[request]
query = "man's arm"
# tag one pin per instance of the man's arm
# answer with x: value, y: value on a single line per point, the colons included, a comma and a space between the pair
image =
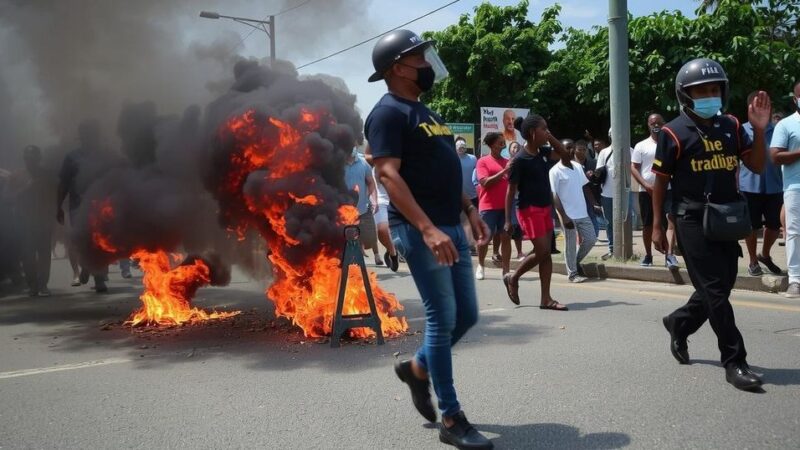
x: 659, y: 192
x: 490, y: 181
x: 388, y: 170
x: 755, y: 158
x: 782, y: 156
x: 636, y: 171
x: 510, y: 193
x: 372, y: 190
x: 565, y: 220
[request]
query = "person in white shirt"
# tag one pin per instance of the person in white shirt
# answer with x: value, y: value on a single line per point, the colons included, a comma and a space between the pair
x: 644, y: 153
x: 605, y: 159
x: 570, y: 190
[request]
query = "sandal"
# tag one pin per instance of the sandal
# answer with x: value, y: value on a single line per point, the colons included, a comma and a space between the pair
x: 555, y: 306
x: 511, y: 289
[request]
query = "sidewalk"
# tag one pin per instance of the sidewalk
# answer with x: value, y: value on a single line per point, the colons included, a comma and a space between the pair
x: 595, y: 267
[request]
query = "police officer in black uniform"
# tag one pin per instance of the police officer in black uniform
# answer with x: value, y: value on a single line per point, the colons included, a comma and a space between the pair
x: 416, y: 160
x: 698, y: 144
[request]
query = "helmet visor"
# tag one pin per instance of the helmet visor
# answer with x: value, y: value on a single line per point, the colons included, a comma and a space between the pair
x: 439, y: 69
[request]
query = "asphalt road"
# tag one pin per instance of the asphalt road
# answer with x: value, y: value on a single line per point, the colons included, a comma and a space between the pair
x: 598, y: 376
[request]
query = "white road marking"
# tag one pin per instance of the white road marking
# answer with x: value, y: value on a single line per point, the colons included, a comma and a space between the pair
x: 80, y: 365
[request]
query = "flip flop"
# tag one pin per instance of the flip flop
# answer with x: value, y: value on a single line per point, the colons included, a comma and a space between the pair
x: 511, y: 289
x: 555, y: 306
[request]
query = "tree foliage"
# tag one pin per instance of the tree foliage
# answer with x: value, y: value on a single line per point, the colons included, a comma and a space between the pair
x: 499, y: 58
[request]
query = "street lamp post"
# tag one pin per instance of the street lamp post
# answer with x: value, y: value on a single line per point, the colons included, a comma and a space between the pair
x: 267, y: 26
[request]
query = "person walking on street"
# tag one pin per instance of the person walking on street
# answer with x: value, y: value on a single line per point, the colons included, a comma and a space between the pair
x: 642, y: 158
x: 698, y: 152
x: 785, y: 152
x: 528, y: 175
x: 78, y: 171
x: 570, y: 190
x: 492, y: 171
x: 764, y: 193
x: 605, y: 160
x: 358, y: 177
x: 381, y: 214
x: 416, y: 160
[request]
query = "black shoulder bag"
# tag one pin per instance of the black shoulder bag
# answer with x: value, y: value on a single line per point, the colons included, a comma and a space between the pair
x: 601, y: 173
x: 725, y: 221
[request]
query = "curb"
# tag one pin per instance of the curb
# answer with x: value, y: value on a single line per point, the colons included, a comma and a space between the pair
x: 764, y: 283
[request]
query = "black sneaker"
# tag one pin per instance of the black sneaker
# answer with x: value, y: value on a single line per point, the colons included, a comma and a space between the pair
x: 393, y: 262
x: 83, y: 278
x: 463, y: 435
x: 754, y: 270
x: 420, y: 390
x: 767, y: 261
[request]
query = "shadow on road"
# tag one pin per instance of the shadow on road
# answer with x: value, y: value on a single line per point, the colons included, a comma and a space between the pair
x: 777, y: 377
x: 598, y: 304
x: 552, y: 436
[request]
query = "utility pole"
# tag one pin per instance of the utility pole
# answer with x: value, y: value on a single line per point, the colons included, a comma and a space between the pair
x: 620, y: 124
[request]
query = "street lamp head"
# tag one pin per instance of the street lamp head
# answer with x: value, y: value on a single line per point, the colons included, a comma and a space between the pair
x: 209, y: 15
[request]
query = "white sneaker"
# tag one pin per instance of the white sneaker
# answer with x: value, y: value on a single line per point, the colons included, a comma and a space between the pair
x: 578, y: 279
x: 479, y: 273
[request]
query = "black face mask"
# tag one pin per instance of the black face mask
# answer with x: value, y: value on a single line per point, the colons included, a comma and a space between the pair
x: 425, y: 77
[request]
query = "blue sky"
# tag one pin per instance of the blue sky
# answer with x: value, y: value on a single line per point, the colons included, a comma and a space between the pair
x: 355, y: 65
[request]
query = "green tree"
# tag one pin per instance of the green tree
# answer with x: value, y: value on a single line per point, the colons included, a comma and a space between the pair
x: 757, y: 44
x: 499, y: 58
x: 494, y: 58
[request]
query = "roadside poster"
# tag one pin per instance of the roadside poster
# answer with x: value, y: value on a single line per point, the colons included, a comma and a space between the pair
x: 465, y: 130
x: 501, y: 120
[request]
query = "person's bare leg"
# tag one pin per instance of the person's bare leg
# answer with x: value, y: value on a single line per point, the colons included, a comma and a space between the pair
x: 496, y: 242
x: 752, y: 240
x: 770, y: 236
x: 672, y: 240
x: 647, y: 239
x: 518, y: 244
x: 482, y: 251
x: 545, y: 274
x: 541, y: 249
x: 505, y: 252
x: 386, y: 239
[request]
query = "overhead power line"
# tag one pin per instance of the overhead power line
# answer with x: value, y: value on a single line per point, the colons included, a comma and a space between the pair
x: 379, y: 35
x: 284, y: 11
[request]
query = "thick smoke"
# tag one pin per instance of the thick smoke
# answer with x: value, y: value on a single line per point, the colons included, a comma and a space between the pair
x: 64, y: 61
x: 270, y: 93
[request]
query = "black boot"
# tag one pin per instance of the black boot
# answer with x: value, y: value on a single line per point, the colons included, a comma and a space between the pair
x: 463, y: 435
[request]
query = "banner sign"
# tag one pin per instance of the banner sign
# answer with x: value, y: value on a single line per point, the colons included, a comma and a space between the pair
x: 501, y: 120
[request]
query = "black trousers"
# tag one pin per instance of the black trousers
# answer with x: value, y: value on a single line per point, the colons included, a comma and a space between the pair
x: 36, y: 250
x: 712, y: 267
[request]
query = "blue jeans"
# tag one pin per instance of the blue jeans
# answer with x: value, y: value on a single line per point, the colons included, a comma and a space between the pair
x: 608, y: 212
x: 451, y: 305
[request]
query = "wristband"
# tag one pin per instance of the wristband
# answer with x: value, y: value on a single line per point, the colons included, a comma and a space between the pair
x: 469, y: 208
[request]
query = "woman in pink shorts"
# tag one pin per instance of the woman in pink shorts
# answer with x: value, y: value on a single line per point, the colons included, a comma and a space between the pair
x: 530, y: 183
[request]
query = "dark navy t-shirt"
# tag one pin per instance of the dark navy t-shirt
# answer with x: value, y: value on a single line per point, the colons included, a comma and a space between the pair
x: 689, y: 153
x: 531, y: 174
x: 399, y: 128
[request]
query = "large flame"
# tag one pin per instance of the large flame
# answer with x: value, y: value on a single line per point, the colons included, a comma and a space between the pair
x: 306, y: 293
x: 168, y: 291
x: 166, y: 299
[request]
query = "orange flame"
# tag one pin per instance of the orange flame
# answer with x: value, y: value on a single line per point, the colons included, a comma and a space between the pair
x: 101, y: 214
x: 304, y: 293
x: 168, y: 291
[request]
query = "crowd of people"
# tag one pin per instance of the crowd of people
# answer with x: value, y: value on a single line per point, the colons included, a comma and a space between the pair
x: 34, y: 223
x: 706, y: 183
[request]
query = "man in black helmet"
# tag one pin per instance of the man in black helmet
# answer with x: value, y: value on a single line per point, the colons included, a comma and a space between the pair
x: 416, y: 161
x: 699, y: 152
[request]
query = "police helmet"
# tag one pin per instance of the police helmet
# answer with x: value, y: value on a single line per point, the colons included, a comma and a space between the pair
x: 394, y: 45
x: 699, y: 71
